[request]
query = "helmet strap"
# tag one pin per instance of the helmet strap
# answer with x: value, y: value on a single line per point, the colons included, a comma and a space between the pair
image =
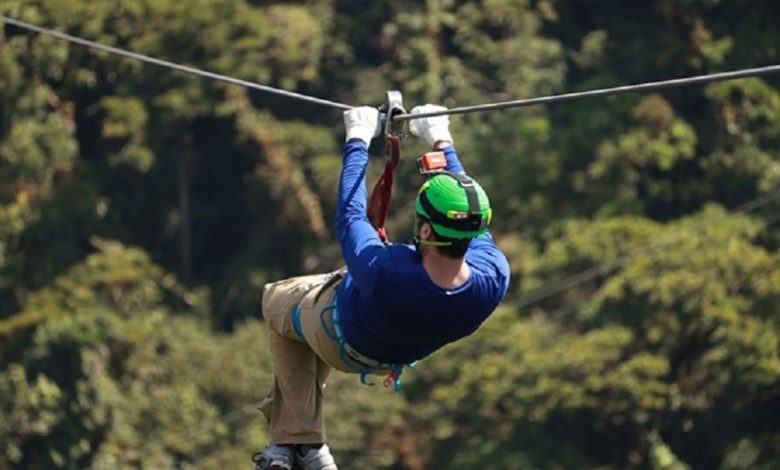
x: 475, y: 214
x: 420, y: 241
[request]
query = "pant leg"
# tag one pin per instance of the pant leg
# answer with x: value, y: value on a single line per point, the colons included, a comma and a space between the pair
x: 294, y: 405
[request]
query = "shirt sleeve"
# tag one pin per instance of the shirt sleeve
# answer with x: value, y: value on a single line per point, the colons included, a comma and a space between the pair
x: 361, y: 246
x: 453, y: 162
x: 483, y: 251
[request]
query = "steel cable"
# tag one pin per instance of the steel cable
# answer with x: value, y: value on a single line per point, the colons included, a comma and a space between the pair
x: 641, y: 87
x: 524, y: 300
x: 172, y: 65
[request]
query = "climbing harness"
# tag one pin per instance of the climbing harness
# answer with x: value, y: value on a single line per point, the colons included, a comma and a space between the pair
x: 347, y: 353
x: 296, y: 322
x: 350, y: 356
x: 379, y: 202
x: 330, y: 281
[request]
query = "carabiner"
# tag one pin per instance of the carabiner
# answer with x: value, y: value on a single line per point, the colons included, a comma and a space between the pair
x: 394, y: 107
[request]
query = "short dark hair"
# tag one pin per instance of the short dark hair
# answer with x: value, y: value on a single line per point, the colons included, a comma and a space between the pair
x: 457, y: 247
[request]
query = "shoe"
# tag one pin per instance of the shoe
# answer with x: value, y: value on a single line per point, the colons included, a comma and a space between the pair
x: 316, y: 459
x: 274, y: 457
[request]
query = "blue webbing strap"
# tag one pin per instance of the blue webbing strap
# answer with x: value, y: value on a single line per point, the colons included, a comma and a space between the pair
x: 296, y: 321
x: 395, y: 369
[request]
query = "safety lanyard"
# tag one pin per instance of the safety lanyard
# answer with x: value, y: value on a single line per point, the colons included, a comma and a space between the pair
x: 379, y: 202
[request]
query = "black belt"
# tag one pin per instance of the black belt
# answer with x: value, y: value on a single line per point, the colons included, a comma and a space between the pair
x: 334, y: 279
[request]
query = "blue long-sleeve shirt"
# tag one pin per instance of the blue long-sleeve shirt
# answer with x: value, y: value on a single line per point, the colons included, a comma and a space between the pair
x: 389, y: 308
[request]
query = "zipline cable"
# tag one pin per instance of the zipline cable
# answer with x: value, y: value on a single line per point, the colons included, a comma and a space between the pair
x: 641, y: 87
x: 525, y: 300
x: 533, y: 297
x: 172, y: 65
x: 549, y: 99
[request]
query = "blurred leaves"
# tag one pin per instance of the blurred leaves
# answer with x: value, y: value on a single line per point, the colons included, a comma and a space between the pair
x: 142, y: 210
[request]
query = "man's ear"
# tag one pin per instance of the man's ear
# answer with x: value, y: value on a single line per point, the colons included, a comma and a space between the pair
x: 426, y: 232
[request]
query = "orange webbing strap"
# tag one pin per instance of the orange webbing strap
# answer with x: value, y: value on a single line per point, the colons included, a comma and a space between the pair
x: 379, y: 203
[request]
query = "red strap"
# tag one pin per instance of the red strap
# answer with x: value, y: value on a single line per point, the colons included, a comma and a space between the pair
x: 379, y: 203
x: 391, y: 378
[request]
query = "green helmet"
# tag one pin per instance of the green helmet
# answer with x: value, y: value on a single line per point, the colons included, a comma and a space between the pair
x: 456, y: 206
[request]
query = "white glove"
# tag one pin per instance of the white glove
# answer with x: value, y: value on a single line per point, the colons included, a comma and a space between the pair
x: 434, y: 128
x: 362, y: 123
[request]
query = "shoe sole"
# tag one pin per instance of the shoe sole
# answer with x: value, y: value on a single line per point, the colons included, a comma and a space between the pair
x: 281, y: 467
x: 277, y: 466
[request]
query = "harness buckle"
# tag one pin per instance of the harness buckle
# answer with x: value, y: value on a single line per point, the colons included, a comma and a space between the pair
x: 391, y: 378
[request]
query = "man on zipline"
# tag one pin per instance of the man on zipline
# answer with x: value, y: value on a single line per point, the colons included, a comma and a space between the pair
x: 394, y: 304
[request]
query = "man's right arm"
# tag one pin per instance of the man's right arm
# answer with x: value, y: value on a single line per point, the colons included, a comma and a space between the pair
x: 453, y: 162
x: 360, y: 244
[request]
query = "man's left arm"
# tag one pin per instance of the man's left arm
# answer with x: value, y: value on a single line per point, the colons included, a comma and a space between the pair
x: 360, y: 244
x: 486, y: 253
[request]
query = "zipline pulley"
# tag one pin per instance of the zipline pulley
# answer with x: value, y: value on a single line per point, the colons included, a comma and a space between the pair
x: 379, y: 203
x: 393, y: 107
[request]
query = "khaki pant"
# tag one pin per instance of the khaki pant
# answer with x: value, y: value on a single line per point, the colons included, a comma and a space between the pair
x: 293, y: 407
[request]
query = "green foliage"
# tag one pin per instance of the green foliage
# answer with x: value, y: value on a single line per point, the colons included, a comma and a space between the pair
x: 120, y: 377
x: 641, y: 159
x: 29, y: 411
x: 697, y: 298
x: 748, y: 114
x: 142, y: 210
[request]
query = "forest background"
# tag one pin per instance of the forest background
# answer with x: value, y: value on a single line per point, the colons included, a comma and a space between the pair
x: 142, y: 210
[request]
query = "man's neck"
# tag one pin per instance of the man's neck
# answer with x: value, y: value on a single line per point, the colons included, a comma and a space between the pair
x: 445, y: 272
